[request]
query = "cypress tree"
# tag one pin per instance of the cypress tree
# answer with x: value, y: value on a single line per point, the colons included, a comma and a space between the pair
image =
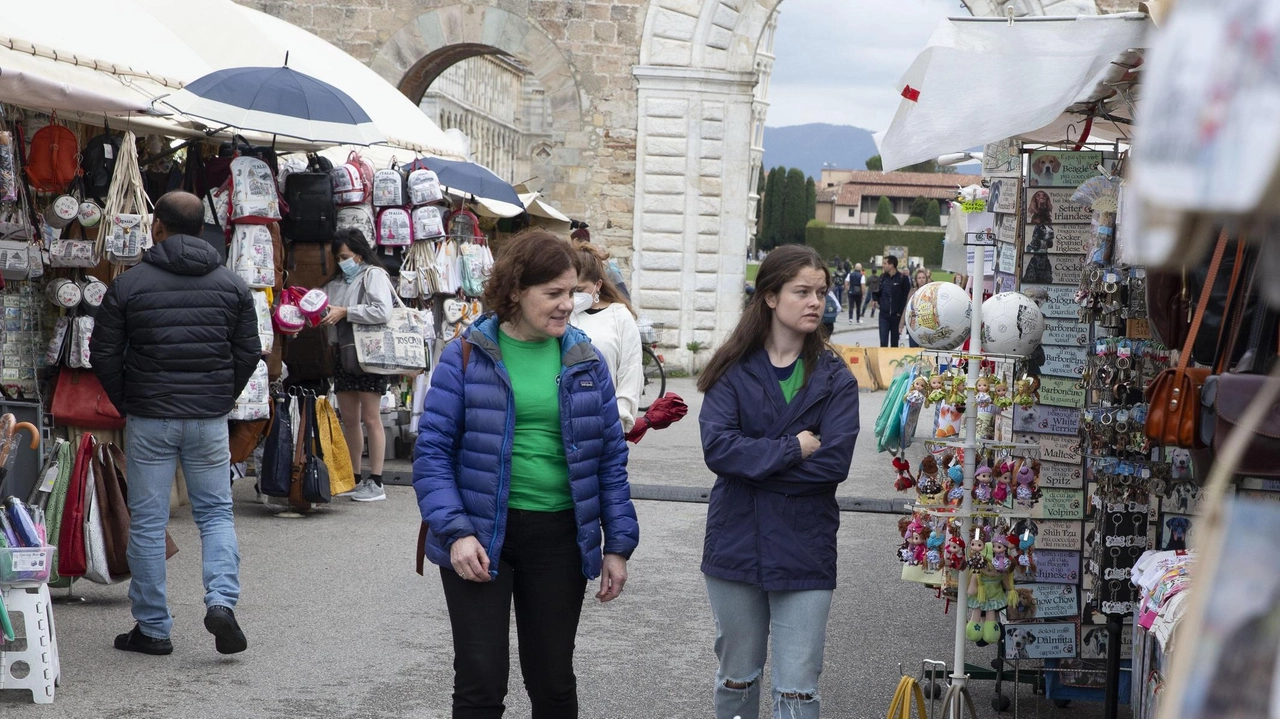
x: 811, y: 197
x: 933, y: 216
x: 795, y: 210
x: 884, y: 213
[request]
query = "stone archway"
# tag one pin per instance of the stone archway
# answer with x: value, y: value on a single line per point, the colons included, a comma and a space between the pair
x: 428, y: 44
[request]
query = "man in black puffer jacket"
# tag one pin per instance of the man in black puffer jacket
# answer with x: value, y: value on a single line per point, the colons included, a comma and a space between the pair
x: 174, y: 343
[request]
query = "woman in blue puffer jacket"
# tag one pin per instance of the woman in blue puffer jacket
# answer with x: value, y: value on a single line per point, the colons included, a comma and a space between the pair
x: 779, y: 421
x: 520, y: 468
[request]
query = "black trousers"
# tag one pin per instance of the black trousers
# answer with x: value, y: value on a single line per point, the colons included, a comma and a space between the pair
x: 541, y: 569
x: 889, y: 329
x: 855, y: 303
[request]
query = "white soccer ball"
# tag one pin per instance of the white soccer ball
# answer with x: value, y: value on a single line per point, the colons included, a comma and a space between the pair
x: 938, y: 316
x: 1012, y: 324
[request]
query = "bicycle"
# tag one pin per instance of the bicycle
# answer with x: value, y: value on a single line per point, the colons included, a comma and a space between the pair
x: 655, y: 377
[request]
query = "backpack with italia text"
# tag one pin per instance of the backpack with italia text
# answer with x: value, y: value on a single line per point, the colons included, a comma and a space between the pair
x: 253, y: 197
x: 389, y: 188
x: 357, y: 217
x: 424, y: 187
x: 395, y: 227
x: 252, y: 256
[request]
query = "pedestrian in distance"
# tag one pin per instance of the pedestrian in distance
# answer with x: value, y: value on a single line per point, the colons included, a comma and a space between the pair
x: 873, y: 292
x: 511, y: 516
x: 779, y: 422
x: 892, y: 300
x: 174, y: 343
x: 855, y: 284
x: 830, y: 313
x: 921, y: 276
x: 600, y: 310
x: 360, y: 292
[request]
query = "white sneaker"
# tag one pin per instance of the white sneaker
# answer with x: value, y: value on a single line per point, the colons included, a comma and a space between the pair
x: 368, y: 491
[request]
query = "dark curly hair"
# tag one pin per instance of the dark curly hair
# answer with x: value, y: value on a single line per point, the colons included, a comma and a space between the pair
x: 532, y: 257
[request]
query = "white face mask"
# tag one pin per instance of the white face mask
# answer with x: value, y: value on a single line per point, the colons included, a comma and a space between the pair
x: 582, y: 301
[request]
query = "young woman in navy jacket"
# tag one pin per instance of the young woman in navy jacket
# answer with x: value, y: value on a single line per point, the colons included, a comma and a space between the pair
x: 779, y: 422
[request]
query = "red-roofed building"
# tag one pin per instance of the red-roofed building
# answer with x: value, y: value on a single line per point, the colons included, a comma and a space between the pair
x: 852, y: 197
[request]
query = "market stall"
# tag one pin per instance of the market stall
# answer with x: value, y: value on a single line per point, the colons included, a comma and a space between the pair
x: 1102, y: 422
x: 89, y: 140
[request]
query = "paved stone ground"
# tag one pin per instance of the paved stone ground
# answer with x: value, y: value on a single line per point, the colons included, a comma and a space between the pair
x: 341, y: 627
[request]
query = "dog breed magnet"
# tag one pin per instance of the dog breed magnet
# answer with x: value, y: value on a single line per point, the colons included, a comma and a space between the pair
x: 1062, y: 169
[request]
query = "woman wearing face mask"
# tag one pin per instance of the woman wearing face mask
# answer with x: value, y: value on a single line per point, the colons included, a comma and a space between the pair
x: 601, y: 311
x: 521, y: 475
x: 359, y: 293
x: 779, y: 421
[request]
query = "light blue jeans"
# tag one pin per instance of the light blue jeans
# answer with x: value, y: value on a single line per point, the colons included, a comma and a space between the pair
x: 154, y: 447
x: 746, y: 617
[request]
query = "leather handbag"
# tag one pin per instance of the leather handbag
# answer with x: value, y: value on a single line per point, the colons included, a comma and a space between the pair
x: 80, y: 401
x: 245, y: 438
x: 1229, y: 395
x: 1173, y: 398
x: 95, y: 544
x: 315, y: 475
x: 113, y: 508
x: 71, y: 546
x: 277, y: 454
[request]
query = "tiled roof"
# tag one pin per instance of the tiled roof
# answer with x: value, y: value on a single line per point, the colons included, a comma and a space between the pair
x: 851, y: 194
x: 931, y: 185
x: 828, y: 194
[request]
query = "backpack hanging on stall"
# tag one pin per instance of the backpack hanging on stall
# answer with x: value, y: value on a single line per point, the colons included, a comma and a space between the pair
x: 253, y: 198
x: 395, y: 228
x: 424, y: 187
x: 54, y: 158
x: 389, y: 187
x: 312, y: 213
x: 252, y: 256
x: 347, y: 187
x: 98, y: 162
x: 427, y: 224
x: 357, y: 217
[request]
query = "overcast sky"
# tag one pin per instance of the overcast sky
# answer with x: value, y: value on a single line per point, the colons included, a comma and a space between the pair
x: 838, y: 60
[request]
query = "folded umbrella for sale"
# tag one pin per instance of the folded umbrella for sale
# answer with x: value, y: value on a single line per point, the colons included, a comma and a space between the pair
x: 664, y: 412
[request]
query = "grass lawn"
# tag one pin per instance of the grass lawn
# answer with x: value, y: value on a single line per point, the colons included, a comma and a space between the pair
x: 752, y: 269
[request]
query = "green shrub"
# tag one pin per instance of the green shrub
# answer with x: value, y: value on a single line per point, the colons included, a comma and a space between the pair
x: 815, y: 223
x: 884, y: 213
x: 860, y: 244
x: 933, y: 216
x: 914, y: 222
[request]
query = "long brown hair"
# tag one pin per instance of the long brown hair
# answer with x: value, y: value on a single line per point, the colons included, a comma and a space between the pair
x: 780, y: 267
x: 589, y: 261
x: 532, y: 257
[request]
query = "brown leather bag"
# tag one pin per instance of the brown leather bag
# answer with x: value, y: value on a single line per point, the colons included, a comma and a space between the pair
x: 246, y: 436
x: 113, y: 491
x: 1174, y: 397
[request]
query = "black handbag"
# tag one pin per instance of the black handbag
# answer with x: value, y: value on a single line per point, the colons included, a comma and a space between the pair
x: 276, y: 472
x: 315, y: 474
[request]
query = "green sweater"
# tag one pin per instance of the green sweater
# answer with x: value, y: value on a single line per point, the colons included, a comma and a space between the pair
x: 539, y: 470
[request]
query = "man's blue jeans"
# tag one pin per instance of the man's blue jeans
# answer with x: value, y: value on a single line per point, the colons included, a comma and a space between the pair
x: 746, y: 619
x: 154, y: 448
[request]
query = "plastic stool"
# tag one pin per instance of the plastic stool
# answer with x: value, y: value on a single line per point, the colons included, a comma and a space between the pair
x: 37, y: 659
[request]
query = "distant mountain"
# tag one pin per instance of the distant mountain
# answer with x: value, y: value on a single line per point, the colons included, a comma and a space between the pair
x: 808, y: 146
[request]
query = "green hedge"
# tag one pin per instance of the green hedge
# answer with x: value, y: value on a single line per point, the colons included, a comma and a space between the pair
x: 861, y: 243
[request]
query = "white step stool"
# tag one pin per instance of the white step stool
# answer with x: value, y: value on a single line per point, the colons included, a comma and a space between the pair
x: 33, y: 662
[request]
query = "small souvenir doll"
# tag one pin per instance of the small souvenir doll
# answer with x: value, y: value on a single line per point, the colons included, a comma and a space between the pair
x: 990, y: 591
x: 903, y: 481
x: 933, y: 553
x: 1024, y: 393
x: 957, y: 396
x: 928, y: 483
x: 982, y: 491
x: 937, y: 383
x: 1004, y: 475
x: 955, y: 485
x: 1025, y: 531
x: 1028, y: 490
x: 1000, y: 395
x: 916, y: 539
x: 982, y: 394
x: 953, y: 553
x: 916, y: 396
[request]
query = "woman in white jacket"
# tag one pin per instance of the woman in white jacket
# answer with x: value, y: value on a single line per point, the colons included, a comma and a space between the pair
x: 601, y: 311
x: 359, y: 293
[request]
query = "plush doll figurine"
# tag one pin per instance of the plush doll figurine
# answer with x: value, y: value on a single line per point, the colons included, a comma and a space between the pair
x: 915, y: 542
x: 916, y: 396
x: 1004, y: 475
x: 1001, y: 400
x: 928, y: 484
x: 954, y: 553
x: 982, y: 490
x: 903, y: 481
x: 955, y: 485
x: 1028, y: 477
x: 990, y: 590
x: 933, y: 554
x: 1025, y: 532
x: 984, y: 403
x: 936, y: 392
x: 1024, y: 394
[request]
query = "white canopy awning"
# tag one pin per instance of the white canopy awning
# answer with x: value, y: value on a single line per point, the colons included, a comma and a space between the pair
x: 981, y: 80
x: 120, y: 55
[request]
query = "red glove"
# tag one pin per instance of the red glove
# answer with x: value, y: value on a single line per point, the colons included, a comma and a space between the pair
x: 664, y: 412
